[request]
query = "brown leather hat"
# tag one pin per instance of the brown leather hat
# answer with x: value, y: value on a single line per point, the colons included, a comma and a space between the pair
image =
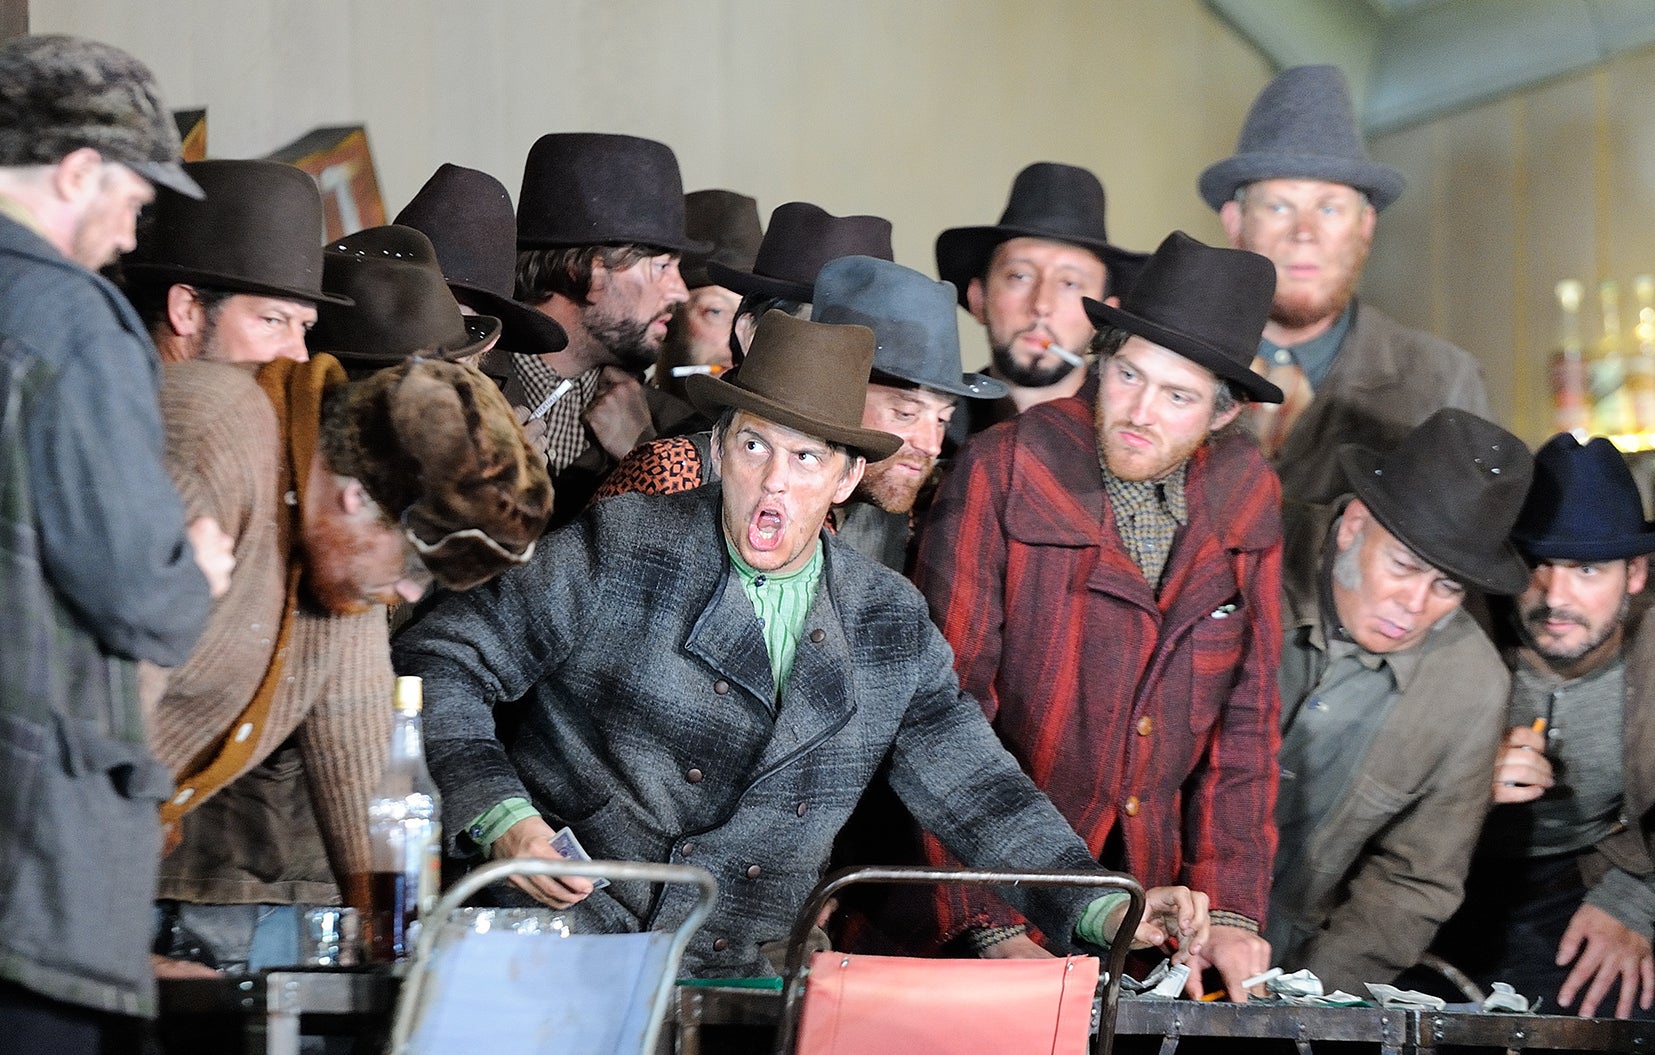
x: 811, y: 377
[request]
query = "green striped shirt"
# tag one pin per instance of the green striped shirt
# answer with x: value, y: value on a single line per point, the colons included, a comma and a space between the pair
x: 781, y: 603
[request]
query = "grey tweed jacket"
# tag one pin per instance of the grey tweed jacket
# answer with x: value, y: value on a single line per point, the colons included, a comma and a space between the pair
x: 628, y: 677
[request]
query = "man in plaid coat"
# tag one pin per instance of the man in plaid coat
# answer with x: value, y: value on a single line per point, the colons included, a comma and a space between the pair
x: 1107, y: 568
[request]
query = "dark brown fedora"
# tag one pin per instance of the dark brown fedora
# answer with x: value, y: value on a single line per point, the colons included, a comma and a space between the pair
x: 811, y: 377
x: 1451, y: 491
x: 1057, y: 202
x: 468, y: 216
x: 1209, y: 305
x: 403, y: 307
x: 258, y: 230
x: 598, y: 188
x: 800, y: 239
x: 727, y: 220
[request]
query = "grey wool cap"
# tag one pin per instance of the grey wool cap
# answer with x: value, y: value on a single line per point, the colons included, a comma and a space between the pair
x: 61, y: 93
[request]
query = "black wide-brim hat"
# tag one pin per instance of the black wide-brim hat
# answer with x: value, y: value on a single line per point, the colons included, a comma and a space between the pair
x: 598, y: 188
x: 914, y: 322
x: 468, y: 217
x: 811, y: 377
x: 1050, y: 201
x: 800, y: 239
x: 1207, y: 304
x: 1583, y: 505
x: 1451, y: 491
x: 258, y: 230
x: 1302, y: 126
x: 402, y: 305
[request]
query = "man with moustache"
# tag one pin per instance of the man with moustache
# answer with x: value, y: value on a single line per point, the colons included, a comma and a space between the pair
x: 1127, y: 520
x: 235, y: 277
x: 701, y: 327
x: 1024, y: 279
x: 914, y: 387
x: 98, y: 572
x: 1301, y: 190
x: 348, y: 497
x: 721, y: 693
x: 600, y: 229
x: 1561, y: 898
x: 1392, y: 696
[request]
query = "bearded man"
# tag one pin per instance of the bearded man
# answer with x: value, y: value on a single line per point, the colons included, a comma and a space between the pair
x: 1302, y: 191
x: 1561, y: 898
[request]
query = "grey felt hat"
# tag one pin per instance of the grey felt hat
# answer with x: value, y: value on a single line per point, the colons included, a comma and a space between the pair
x: 1302, y: 126
x: 913, y: 319
x: 61, y: 93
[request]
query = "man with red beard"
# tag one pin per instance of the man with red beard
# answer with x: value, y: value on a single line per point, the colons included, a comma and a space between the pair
x: 1107, y: 568
x: 1302, y: 191
x: 722, y: 692
x: 1561, y: 898
x: 344, y: 498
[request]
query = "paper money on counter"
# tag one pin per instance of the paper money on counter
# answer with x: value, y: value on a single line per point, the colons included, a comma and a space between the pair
x: 1391, y: 996
x: 1505, y: 998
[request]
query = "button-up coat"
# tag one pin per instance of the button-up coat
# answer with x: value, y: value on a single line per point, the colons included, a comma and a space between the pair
x: 628, y: 675
x: 1151, y: 715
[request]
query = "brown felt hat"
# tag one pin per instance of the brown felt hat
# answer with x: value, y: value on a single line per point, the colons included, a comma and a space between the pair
x: 811, y: 377
x: 438, y: 449
x: 730, y: 222
x: 800, y: 239
x: 258, y: 231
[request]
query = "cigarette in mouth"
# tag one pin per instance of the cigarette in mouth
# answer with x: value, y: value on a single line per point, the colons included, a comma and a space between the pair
x: 1064, y: 354
x: 703, y: 368
x: 547, y: 403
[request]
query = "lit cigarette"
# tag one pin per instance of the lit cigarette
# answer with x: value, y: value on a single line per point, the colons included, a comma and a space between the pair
x: 547, y: 403
x: 1064, y: 354
x: 703, y: 368
x: 1539, y: 726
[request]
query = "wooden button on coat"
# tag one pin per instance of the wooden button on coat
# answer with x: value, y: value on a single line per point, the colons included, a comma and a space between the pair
x: 1131, y: 807
x: 818, y: 636
x: 721, y: 687
x: 693, y: 776
x: 800, y: 808
x: 754, y: 871
x: 720, y: 944
x: 1146, y: 725
x: 689, y: 848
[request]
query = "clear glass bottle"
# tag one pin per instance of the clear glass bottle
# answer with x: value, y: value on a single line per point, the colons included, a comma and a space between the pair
x: 405, y: 838
x: 1611, y: 402
x: 1571, y: 412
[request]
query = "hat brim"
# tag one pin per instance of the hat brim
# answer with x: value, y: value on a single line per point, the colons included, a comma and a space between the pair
x: 525, y: 331
x: 191, y: 276
x: 1623, y: 547
x: 963, y: 253
x: 168, y: 174
x: 1381, y: 183
x: 750, y: 285
x: 481, y: 331
x: 970, y: 386
x: 711, y: 395
x: 1498, y: 569
x: 1190, y: 347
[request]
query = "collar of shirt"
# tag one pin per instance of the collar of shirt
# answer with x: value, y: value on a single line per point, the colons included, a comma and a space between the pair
x: 1315, y: 356
x: 751, y: 576
x: 13, y: 209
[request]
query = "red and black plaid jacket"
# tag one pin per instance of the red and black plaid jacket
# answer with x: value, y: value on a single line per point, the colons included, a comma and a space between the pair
x: 1154, y: 715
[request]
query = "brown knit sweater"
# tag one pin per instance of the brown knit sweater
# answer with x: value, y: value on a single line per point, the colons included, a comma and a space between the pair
x: 225, y: 453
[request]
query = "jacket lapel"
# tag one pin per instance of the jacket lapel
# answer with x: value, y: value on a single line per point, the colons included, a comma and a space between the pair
x: 726, y: 636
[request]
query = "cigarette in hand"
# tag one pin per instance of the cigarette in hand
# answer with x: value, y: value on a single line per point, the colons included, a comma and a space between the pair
x: 547, y: 403
x: 714, y: 369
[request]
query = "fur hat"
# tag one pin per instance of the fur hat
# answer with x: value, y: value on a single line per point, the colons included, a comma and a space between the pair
x: 60, y: 93
x: 437, y: 448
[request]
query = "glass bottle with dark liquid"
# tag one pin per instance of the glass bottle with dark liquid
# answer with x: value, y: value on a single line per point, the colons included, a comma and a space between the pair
x: 405, y: 838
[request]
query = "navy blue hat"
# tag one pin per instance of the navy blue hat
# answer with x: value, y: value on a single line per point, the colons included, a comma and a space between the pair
x: 913, y: 319
x: 1583, y: 505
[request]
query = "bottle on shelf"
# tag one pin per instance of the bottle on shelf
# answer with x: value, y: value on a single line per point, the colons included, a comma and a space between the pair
x: 405, y: 838
x: 1611, y: 403
x: 1640, y: 367
x: 1570, y: 411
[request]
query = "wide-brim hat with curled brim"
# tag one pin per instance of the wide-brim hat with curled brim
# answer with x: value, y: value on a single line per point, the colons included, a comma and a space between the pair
x: 1584, y: 505
x: 258, y: 231
x: 1207, y: 304
x: 1302, y: 126
x: 811, y: 377
x: 468, y: 217
x: 402, y: 305
x: 438, y: 448
x: 1049, y: 201
x: 1451, y: 492
x: 800, y: 239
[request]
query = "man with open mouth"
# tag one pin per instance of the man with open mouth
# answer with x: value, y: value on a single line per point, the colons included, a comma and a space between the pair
x: 710, y: 678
